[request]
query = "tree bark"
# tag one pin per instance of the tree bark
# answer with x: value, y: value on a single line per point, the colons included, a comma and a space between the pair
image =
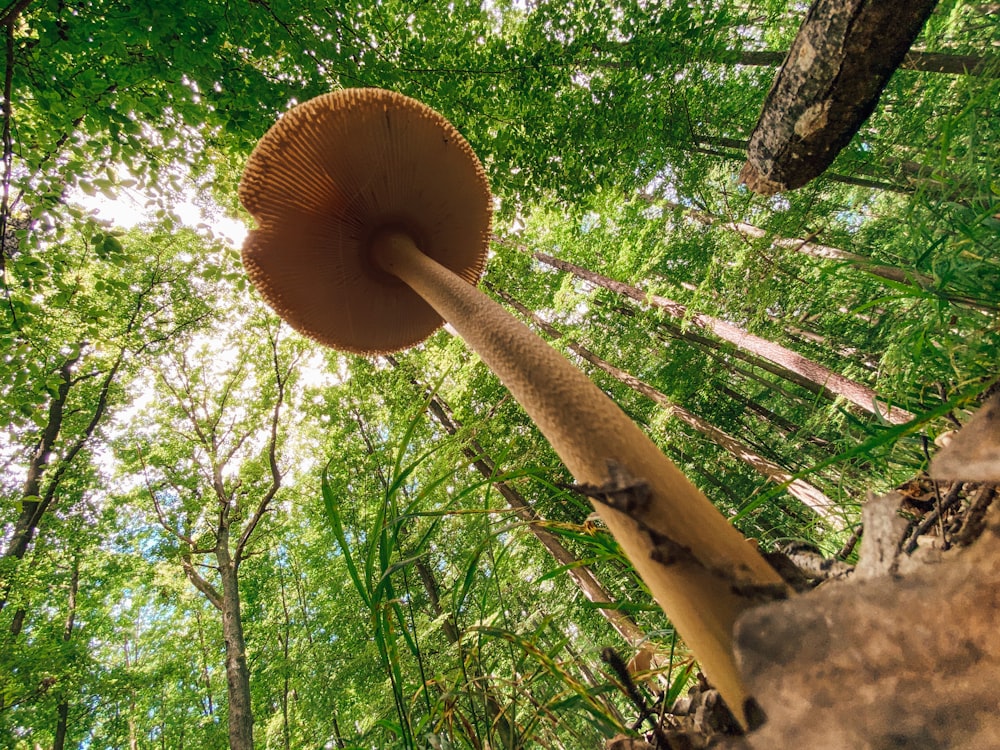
x: 285, y: 639
x: 237, y: 671
x: 837, y: 67
x: 802, y: 491
x: 62, y: 710
x: 720, y: 351
x: 858, y: 394
x: 31, y: 500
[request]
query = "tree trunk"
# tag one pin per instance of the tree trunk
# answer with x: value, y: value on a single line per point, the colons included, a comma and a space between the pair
x: 31, y: 501
x: 62, y: 723
x: 843, y: 179
x: 237, y: 671
x: 831, y: 82
x: 708, y: 477
x: 946, y: 63
x: 826, y: 252
x: 860, y: 395
x: 17, y: 621
x: 62, y: 710
x: 776, y: 421
x: 805, y: 246
x: 133, y: 732
x: 338, y: 737
x: 917, y: 176
x: 497, y: 716
x: 802, y: 491
x: 720, y: 352
x: 285, y: 638
x: 34, y: 501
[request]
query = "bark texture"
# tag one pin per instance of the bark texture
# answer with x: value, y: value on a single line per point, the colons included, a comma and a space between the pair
x: 830, y: 83
x: 922, y: 664
x: 237, y: 671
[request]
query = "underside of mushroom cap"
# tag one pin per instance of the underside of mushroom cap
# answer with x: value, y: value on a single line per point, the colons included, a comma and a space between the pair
x: 329, y: 176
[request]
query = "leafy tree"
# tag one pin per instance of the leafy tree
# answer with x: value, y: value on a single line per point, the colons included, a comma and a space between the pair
x: 212, y: 467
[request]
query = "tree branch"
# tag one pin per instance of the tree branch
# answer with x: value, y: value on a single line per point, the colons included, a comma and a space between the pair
x: 9, y: 14
x: 210, y: 592
x: 161, y: 517
x: 272, y: 453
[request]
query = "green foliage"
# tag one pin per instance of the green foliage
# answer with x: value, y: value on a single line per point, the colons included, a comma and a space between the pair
x: 388, y: 594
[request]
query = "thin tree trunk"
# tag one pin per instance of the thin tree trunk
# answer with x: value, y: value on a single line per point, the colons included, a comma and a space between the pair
x: 300, y: 596
x: 35, y: 500
x: 847, y: 353
x: 62, y: 710
x: 832, y: 176
x: 286, y: 665
x: 237, y: 671
x: 338, y: 737
x: 802, y: 491
x: 707, y: 476
x: 205, y: 674
x: 719, y: 351
x: 31, y: 500
x: 817, y: 250
x: 857, y: 393
x: 927, y: 62
x: 776, y: 421
x: 497, y: 715
x: 918, y: 176
x: 38, y: 554
x: 946, y: 63
x: 133, y: 733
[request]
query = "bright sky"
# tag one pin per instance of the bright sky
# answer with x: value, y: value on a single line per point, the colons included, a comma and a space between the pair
x: 132, y: 208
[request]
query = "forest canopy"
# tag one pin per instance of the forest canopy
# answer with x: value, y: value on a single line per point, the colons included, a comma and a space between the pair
x: 216, y: 532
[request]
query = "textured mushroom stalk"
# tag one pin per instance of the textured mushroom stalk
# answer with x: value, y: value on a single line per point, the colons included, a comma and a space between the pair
x: 709, y: 560
x: 356, y: 187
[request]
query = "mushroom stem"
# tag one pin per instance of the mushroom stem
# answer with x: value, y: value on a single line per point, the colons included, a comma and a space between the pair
x: 697, y: 566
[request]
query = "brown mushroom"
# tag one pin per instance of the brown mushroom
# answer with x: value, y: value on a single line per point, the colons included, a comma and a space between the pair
x: 374, y: 220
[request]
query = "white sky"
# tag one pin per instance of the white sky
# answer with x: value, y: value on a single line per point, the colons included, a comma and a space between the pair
x: 132, y: 207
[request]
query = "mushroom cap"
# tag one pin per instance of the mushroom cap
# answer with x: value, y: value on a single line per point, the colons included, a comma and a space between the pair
x: 330, y: 175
